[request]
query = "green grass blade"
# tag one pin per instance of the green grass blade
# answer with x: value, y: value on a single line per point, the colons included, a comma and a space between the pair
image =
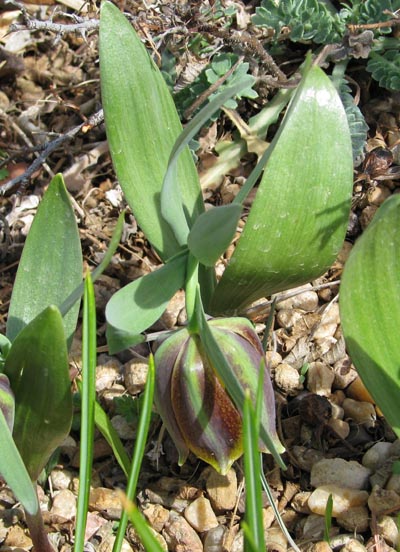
x: 13, y: 470
x: 51, y: 263
x: 252, y: 472
x: 370, y: 308
x: 149, y: 541
x: 142, y: 125
x: 298, y: 220
x: 88, y: 395
x: 141, y: 438
x: 328, y: 519
x: 98, y: 271
x: 106, y: 428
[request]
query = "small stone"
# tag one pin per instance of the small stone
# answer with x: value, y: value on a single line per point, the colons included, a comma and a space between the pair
x: 157, y: 516
x: 306, y: 457
x: 343, y: 499
x: 355, y: 519
x: 329, y: 322
x: 64, y: 504
x: 314, y: 527
x: 288, y: 379
x: 320, y: 378
x: 353, y: 545
x: 387, y: 528
x: 340, y: 427
x: 275, y: 540
x: 306, y: 301
x: 222, y: 490
x: 200, y: 515
x: 300, y: 502
x: 380, y: 501
x: 376, y: 455
x: 16, y: 537
x: 107, y: 373
x: 135, y: 375
x: 361, y: 412
x: 123, y: 428
x: 215, y: 539
x: 394, y: 483
x: 344, y: 372
x: 61, y: 479
x: 320, y: 546
x: 287, y: 318
x: 180, y: 536
x: 273, y: 358
x: 343, y: 473
x: 106, y: 500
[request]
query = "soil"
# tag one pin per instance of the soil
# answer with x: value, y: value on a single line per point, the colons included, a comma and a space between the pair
x: 49, y: 88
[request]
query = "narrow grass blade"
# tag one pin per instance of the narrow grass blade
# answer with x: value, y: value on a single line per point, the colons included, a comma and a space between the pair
x: 51, y: 263
x: 298, y: 220
x: 252, y: 472
x: 98, y: 271
x: 141, y: 438
x: 87, y: 410
x: 328, y: 519
x: 149, y: 541
x: 370, y: 308
x: 106, y: 428
x: 13, y: 470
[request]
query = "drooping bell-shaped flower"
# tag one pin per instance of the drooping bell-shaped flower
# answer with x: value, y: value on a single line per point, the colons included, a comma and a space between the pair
x: 7, y: 401
x: 193, y: 403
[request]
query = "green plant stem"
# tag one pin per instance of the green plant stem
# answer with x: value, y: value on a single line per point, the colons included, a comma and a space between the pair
x: 87, y: 417
x: 141, y: 438
x: 192, y: 282
x: 338, y: 73
x: 37, y: 531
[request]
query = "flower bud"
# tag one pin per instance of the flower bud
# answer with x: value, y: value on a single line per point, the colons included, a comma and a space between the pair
x: 7, y: 402
x: 194, y: 404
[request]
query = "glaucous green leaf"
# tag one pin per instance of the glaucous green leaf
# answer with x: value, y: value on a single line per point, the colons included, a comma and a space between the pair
x: 370, y: 308
x: 13, y: 471
x: 212, y: 233
x: 51, y: 263
x: 38, y: 370
x: 142, y: 126
x: 298, y: 220
x: 135, y: 307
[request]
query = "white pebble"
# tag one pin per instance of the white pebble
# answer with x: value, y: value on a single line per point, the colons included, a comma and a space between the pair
x: 336, y: 471
x: 200, y: 515
x: 320, y: 378
x: 288, y: 379
x: 376, y: 455
x: 343, y: 499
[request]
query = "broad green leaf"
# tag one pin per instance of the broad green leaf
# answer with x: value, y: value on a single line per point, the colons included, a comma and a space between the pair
x: 212, y: 233
x: 298, y: 220
x: 135, y: 307
x: 142, y: 126
x: 51, y: 263
x: 37, y: 367
x: 370, y: 308
x: 12, y: 469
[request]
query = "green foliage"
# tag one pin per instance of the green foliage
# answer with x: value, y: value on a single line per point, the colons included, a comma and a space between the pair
x: 319, y: 22
x: 218, y: 67
x: 385, y: 68
x: 307, y: 20
x: 51, y: 263
x: 370, y: 309
x: 357, y: 125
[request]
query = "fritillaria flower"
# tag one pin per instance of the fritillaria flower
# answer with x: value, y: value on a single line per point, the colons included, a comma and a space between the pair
x: 193, y: 403
x: 7, y: 402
